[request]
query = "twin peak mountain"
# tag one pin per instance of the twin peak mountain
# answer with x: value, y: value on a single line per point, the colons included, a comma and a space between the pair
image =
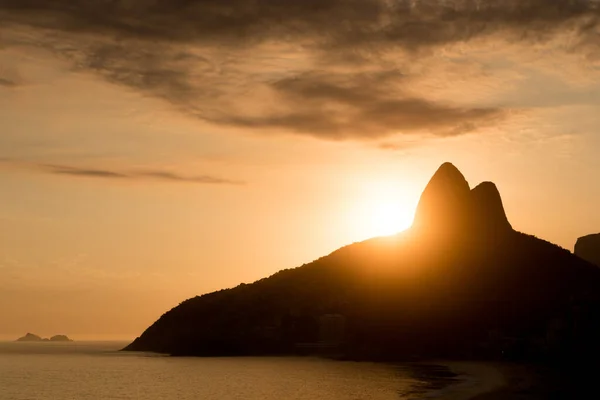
x: 449, y: 206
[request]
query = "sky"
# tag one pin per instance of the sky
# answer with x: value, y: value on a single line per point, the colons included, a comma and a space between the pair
x: 154, y: 150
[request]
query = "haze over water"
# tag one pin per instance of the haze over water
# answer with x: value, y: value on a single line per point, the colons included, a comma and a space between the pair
x: 96, y: 370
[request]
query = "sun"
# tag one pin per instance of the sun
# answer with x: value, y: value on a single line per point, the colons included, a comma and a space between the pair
x: 384, y: 210
x: 387, y: 219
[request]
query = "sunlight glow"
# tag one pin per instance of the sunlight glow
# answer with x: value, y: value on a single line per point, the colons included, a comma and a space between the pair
x: 383, y: 211
x: 387, y: 219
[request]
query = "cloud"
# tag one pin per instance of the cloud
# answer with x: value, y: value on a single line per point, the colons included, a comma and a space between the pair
x: 333, y: 69
x: 170, y: 176
x: 135, y: 175
x: 232, y: 22
x: 94, y: 173
x: 361, y: 106
x: 7, y: 82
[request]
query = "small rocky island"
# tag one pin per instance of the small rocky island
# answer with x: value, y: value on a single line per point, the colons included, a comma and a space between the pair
x: 30, y: 337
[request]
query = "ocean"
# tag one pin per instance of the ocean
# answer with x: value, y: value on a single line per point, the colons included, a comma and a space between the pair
x: 98, y: 371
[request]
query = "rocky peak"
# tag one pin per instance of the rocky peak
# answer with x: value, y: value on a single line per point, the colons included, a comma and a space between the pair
x: 488, y: 209
x: 449, y: 206
x: 443, y: 201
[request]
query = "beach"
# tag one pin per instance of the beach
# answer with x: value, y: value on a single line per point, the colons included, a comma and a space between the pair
x: 501, y: 381
x: 475, y: 380
x: 493, y: 381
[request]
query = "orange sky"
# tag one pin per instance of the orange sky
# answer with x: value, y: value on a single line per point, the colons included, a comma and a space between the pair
x: 139, y: 171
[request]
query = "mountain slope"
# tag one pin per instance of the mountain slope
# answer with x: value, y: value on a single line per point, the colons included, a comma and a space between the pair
x: 460, y: 281
x: 588, y: 248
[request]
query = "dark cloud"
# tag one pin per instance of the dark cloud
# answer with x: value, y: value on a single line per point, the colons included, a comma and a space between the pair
x: 7, y: 82
x: 225, y: 21
x: 377, y: 120
x: 361, y: 106
x: 195, y: 54
x: 408, y: 22
x: 435, y: 23
x: 135, y: 175
x: 95, y: 173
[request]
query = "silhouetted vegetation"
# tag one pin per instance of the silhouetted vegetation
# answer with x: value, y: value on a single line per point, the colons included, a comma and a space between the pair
x: 460, y: 283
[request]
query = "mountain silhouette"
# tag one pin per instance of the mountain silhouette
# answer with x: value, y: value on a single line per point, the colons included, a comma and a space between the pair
x: 459, y: 282
x: 448, y: 206
x: 588, y: 248
x: 445, y: 203
x: 31, y: 337
x: 60, y: 338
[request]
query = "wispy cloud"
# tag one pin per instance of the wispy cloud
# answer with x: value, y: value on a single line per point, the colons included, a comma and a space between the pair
x: 157, y: 175
x: 94, y: 173
x: 333, y: 69
x: 360, y: 106
x: 7, y: 82
x: 170, y: 176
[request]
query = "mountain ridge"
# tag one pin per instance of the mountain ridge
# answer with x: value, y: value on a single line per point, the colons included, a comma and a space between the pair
x: 441, y: 288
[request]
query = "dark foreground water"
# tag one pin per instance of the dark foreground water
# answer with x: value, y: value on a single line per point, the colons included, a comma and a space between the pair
x: 88, y: 370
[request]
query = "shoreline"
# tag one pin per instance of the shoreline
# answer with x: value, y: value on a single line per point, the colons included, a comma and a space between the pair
x: 493, y: 381
x: 479, y: 379
x: 452, y: 380
x: 475, y: 380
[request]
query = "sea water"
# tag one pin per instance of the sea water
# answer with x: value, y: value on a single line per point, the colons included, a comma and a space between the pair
x: 99, y: 371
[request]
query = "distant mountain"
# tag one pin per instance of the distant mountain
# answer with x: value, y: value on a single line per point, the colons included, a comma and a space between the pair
x: 588, y: 248
x: 60, y: 338
x: 461, y: 282
x: 30, y: 337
